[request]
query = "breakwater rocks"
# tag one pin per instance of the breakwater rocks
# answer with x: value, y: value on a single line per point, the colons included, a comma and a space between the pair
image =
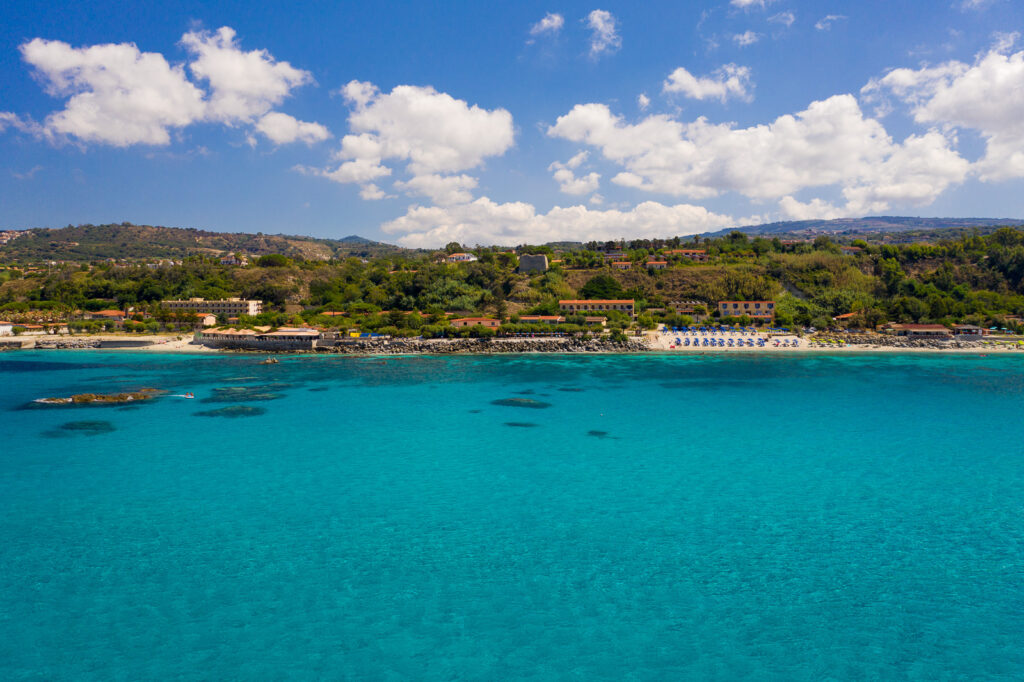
x: 64, y: 343
x: 444, y: 346
x: 883, y: 341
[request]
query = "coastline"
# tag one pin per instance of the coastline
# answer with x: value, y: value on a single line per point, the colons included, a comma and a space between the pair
x: 653, y: 343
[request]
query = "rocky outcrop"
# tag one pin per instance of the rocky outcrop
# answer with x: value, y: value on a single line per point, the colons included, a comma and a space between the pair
x: 887, y: 341
x: 67, y: 342
x: 446, y: 346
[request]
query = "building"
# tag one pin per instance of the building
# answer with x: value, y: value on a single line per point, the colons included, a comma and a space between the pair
x: 969, y: 330
x: 6, y: 328
x: 850, y: 250
x: 614, y: 255
x: 918, y: 331
x: 627, y: 306
x: 476, y: 321
x: 460, y: 258
x: 657, y: 264
x: 285, y: 338
x: 205, y: 320
x: 237, y: 261
x: 696, y: 255
x: 116, y: 316
x: 541, y: 319
x: 621, y: 265
x: 758, y: 310
x: 228, y: 307
x: 533, y: 263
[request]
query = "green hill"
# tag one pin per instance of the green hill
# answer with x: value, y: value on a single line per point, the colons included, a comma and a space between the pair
x: 99, y: 242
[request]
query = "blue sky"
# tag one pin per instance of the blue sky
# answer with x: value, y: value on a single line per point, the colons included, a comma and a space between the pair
x: 420, y: 124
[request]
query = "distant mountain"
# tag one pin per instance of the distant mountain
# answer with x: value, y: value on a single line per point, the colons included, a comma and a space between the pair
x: 98, y: 242
x: 867, y: 226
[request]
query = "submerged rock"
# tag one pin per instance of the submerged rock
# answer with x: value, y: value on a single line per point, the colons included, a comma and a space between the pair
x: 89, y: 428
x: 521, y: 402
x: 600, y: 434
x: 571, y: 390
x: 241, y: 394
x: 233, y: 412
x: 522, y: 425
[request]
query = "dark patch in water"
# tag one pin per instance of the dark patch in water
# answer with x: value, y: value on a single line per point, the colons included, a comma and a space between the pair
x: 240, y: 394
x: 88, y: 428
x: 319, y: 388
x: 127, y: 408
x: 233, y: 412
x: 600, y: 434
x: 571, y: 390
x: 475, y: 411
x: 521, y: 402
x: 528, y: 391
x: 43, y: 366
x: 522, y: 425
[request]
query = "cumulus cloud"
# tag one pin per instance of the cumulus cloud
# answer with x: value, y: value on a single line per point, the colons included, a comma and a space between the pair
x: 727, y: 81
x: 643, y: 101
x: 121, y: 96
x: 116, y: 94
x: 604, y: 33
x: 825, y: 23
x: 746, y: 38
x: 284, y: 129
x: 443, y: 190
x: 488, y: 222
x: 551, y: 23
x: 431, y: 132
x: 815, y: 209
x: 785, y: 18
x: 750, y: 3
x: 830, y: 143
x: 244, y: 85
x: 566, y: 178
x: 987, y: 97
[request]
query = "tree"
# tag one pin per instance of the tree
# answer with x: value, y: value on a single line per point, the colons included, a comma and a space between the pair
x: 601, y: 286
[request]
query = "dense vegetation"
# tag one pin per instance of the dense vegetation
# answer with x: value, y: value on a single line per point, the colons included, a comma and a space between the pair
x: 972, y: 278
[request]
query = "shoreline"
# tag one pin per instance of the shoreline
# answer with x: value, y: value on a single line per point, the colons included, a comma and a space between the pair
x: 652, y: 344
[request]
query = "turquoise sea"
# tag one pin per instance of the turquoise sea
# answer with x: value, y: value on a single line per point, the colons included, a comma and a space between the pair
x: 647, y: 518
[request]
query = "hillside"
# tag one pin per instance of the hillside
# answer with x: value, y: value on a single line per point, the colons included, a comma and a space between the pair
x: 98, y: 242
x: 871, y: 226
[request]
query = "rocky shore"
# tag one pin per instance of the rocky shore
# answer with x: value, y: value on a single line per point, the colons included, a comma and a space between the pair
x: 885, y: 341
x: 66, y: 343
x: 445, y: 346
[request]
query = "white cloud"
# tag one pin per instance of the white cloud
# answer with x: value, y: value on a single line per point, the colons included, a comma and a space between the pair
x: 643, y: 101
x: 830, y: 143
x: 568, y: 183
x: 372, y: 192
x: 727, y: 81
x: 975, y: 4
x: 746, y: 38
x: 575, y: 162
x: 486, y: 222
x: 117, y: 95
x: 29, y: 174
x: 987, y: 97
x: 825, y: 23
x: 551, y: 23
x: 815, y: 209
x: 284, y: 129
x: 441, y: 189
x: 604, y: 36
x: 431, y: 131
x: 245, y: 85
x: 750, y: 3
x: 785, y: 18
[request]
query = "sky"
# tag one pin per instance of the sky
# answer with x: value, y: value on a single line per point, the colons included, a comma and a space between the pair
x: 508, y: 123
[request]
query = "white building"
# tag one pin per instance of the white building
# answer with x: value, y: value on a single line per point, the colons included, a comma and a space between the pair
x: 229, y: 307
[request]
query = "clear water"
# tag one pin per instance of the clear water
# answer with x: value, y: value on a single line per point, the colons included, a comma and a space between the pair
x: 797, y: 518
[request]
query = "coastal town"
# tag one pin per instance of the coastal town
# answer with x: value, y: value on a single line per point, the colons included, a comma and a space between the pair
x: 615, y: 296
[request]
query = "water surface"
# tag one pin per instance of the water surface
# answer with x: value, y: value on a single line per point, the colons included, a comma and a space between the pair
x: 659, y: 517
